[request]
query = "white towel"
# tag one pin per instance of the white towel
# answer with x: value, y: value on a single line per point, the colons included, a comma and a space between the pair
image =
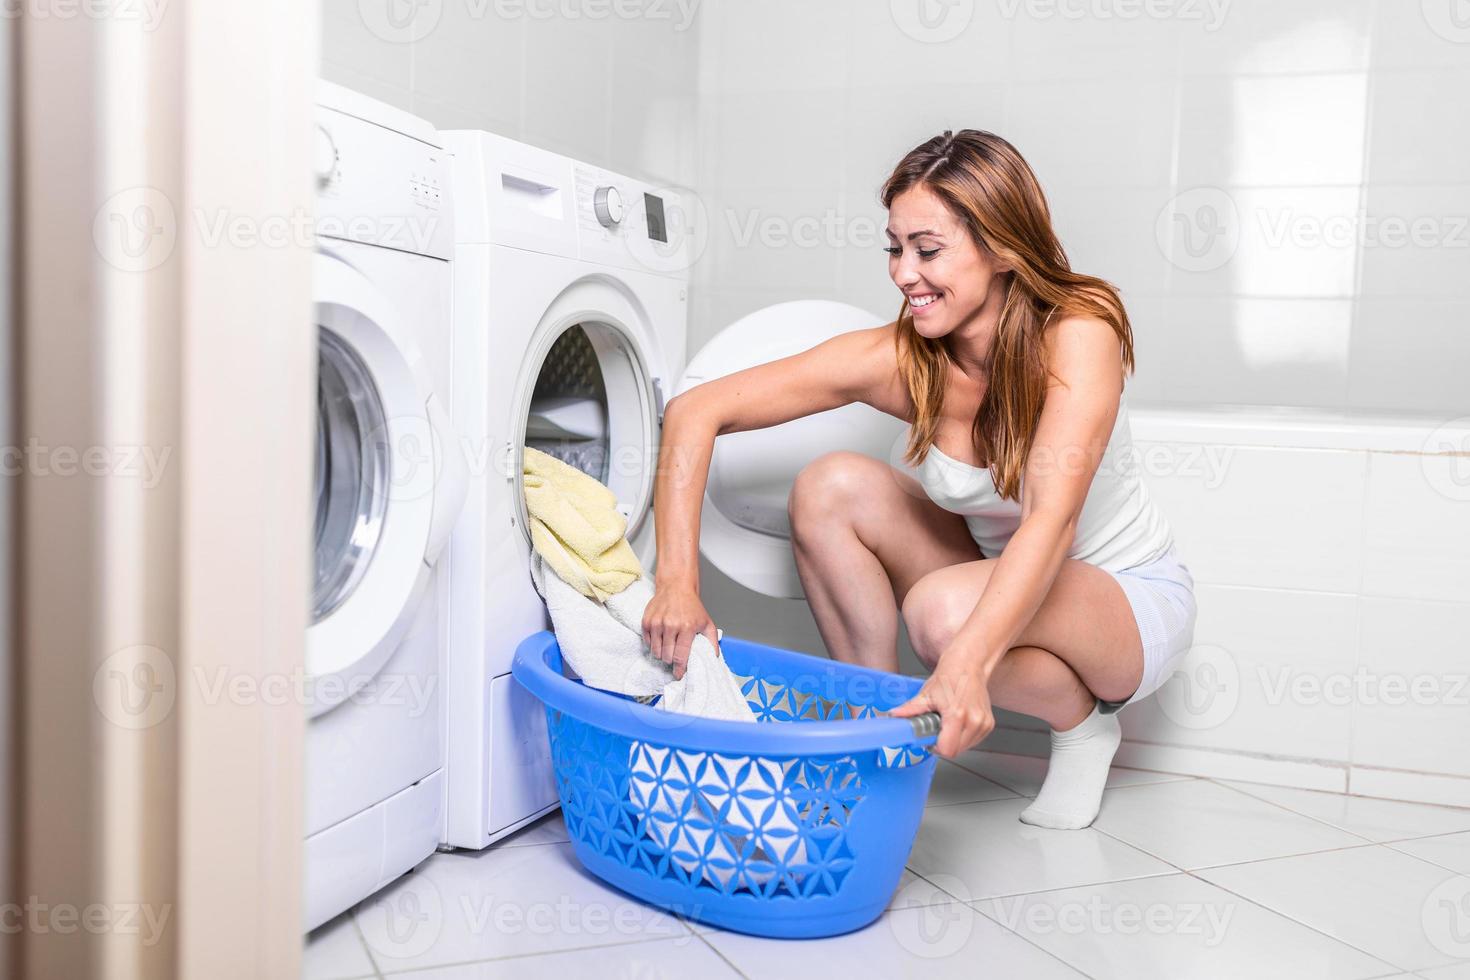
x: 604, y: 645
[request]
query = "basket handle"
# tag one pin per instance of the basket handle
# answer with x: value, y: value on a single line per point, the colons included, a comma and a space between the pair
x: 926, y: 724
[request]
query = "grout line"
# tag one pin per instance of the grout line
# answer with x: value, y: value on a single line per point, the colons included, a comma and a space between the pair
x: 1304, y: 925
x: 1029, y: 941
x: 716, y: 950
x: 1283, y: 806
x: 409, y: 971
x: 362, y: 941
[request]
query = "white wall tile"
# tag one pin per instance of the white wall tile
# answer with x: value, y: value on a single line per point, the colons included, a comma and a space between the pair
x: 1103, y: 133
x: 1420, y: 136
x: 1111, y: 232
x: 1410, y: 355
x: 1269, y: 518
x: 1417, y: 241
x: 1266, y: 677
x: 1268, y: 36
x: 1417, y: 527
x: 1417, y: 35
x: 1415, y: 714
x: 1272, y: 130
x: 1257, y: 351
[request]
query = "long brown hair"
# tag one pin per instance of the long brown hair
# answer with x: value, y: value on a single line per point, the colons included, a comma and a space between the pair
x: 987, y: 185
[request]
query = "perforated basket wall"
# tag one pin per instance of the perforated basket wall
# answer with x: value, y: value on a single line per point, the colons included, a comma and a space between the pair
x: 779, y: 845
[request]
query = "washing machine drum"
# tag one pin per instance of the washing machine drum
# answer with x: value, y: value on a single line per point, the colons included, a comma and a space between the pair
x: 388, y: 487
x: 744, y: 528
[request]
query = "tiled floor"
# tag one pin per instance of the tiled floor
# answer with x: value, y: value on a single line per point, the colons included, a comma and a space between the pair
x: 1178, y: 878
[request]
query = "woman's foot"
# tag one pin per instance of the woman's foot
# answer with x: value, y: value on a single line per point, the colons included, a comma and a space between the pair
x: 1072, y: 791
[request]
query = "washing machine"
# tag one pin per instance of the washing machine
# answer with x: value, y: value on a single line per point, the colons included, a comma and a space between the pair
x: 389, y: 483
x: 570, y: 320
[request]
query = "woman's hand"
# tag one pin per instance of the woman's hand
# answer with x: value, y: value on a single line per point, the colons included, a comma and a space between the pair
x: 671, y: 620
x: 959, y: 690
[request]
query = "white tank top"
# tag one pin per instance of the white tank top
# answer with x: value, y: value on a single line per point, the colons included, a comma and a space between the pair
x: 1120, y: 526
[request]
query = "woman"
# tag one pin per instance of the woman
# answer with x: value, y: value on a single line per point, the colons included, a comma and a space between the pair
x: 1030, y: 566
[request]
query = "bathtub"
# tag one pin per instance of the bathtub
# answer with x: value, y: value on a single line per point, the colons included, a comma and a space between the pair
x: 1332, y: 558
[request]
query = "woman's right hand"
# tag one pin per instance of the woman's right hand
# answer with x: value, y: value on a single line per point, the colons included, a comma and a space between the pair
x: 671, y: 620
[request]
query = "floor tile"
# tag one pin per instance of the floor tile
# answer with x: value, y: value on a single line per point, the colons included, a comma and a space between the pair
x: 1452, y: 851
x: 981, y: 850
x: 502, y: 901
x: 1199, y: 824
x: 679, y: 958
x: 912, y: 891
x: 550, y: 829
x: 934, y: 942
x: 335, y: 951
x: 1175, y: 926
x: 1404, y: 911
x: 1022, y: 774
x: 954, y: 784
x: 1377, y: 820
x: 1460, y: 971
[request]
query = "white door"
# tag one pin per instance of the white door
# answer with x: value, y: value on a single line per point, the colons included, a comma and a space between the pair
x: 744, y: 528
x: 389, y: 483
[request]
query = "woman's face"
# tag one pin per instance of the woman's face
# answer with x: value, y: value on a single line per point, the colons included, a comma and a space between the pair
x: 932, y: 259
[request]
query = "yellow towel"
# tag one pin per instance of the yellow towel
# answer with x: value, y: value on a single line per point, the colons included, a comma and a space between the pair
x: 576, y: 527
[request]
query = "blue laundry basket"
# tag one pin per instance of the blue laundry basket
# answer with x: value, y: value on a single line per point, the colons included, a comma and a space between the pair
x: 792, y: 830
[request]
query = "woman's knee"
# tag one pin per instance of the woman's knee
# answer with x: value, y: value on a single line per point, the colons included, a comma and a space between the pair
x: 829, y: 486
x: 933, y: 612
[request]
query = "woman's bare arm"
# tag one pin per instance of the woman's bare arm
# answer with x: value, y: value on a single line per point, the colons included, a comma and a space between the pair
x: 859, y: 366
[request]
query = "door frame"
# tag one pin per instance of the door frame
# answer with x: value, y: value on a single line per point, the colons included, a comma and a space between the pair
x: 157, y: 312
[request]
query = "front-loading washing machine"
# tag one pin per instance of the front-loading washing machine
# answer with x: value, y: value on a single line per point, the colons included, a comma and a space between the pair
x: 389, y: 485
x: 570, y: 323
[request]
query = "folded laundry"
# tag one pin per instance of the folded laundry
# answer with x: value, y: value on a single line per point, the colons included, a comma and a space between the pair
x: 570, y: 509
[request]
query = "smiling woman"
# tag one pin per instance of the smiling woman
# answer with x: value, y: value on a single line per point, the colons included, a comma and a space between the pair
x: 1030, y: 566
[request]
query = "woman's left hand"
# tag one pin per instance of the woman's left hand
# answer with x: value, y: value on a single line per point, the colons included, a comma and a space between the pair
x: 958, y: 689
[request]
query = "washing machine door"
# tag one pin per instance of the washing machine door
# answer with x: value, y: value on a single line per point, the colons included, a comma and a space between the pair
x: 389, y: 483
x: 744, y: 527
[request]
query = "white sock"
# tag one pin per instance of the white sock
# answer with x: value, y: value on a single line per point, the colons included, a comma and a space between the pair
x: 1072, y: 791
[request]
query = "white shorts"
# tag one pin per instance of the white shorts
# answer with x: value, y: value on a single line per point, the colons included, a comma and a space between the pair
x: 1162, y: 596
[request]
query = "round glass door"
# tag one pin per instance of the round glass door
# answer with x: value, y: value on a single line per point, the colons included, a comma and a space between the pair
x: 352, y: 473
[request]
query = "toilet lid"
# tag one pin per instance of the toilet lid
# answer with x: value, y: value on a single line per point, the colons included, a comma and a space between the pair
x: 745, y: 531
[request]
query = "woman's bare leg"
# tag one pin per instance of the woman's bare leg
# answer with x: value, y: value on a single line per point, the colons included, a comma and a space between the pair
x: 863, y: 533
